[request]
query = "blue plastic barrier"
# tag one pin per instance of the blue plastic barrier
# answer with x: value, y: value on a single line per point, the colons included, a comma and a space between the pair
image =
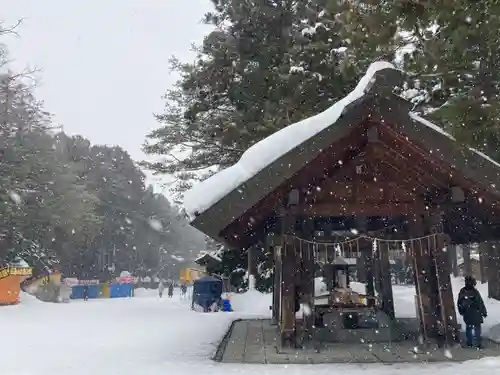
x: 120, y: 290
x: 226, y: 305
x: 77, y: 291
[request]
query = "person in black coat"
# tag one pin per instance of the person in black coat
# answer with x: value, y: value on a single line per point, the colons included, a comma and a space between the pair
x: 471, y: 306
x: 86, y: 293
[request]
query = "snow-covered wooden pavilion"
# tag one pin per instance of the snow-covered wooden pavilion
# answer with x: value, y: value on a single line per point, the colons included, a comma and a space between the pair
x: 363, y: 173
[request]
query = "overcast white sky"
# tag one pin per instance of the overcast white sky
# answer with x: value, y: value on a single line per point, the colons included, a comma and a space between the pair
x: 104, y: 63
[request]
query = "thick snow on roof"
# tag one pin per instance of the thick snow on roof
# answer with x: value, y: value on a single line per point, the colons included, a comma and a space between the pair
x: 206, y: 193
x: 214, y: 255
x: 20, y: 262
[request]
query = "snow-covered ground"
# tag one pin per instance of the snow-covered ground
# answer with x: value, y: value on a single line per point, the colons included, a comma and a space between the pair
x: 146, y: 335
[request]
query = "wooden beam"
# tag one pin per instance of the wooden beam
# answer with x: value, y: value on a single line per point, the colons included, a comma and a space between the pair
x: 407, y: 166
x: 336, y: 178
x: 389, y: 209
x: 394, y: 168
x: 435, y: 167
x: 423, y: 159
x: 328, y: 162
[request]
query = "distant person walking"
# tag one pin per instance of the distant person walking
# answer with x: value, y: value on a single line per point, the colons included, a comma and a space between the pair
x: 86, y: 293
x: 161, y: 288
x: 171, y: 290
x: 471, y: 306
x: 183, y: 290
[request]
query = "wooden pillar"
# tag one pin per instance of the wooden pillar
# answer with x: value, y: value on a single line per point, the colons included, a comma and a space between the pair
x: 287, y: 323
x: 435, y: 296
x: 274, y: 241
x: 307, y: 290
x: 493, y: 271
x: 483, y: 262
x: 384, y: 276
x: 367, y: 254
x: 467, y: 262
x: 278, y: 263
x: 377, y: 275
x: 360, y: 268
x: 307, y: 278
x: 421, y: 270
x: 252, y: 254
x: 445, y: 308
x: 452, y: 251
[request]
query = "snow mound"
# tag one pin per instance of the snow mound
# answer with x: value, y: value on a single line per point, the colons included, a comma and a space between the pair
x: 252, y: 302
x: 320, y: 288
x: 494, y: 333
x: 145, y: 293
x: 28, y: 299
x: 205, y: 194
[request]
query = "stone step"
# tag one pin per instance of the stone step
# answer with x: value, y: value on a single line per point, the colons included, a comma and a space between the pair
x: 360, y: 335
x: 372, y: 328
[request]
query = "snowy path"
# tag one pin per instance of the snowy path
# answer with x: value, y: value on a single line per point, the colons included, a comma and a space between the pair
x: 148, y: 336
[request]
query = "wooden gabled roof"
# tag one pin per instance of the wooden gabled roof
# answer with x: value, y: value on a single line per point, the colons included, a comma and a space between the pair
x: 337, y: 141
x: 207, y: 258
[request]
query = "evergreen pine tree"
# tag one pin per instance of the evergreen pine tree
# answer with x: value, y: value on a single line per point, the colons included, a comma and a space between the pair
x: 266, y: 65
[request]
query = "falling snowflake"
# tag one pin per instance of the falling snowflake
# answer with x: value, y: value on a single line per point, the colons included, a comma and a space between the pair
x: 16, y: 198
x: 156, y: 225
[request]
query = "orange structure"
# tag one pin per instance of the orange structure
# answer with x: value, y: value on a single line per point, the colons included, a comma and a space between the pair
x: 10, y: 283
x: 189, y: 275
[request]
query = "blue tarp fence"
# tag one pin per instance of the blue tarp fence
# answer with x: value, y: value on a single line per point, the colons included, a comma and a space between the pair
x: 77, y: 291
x: 121, y: 290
